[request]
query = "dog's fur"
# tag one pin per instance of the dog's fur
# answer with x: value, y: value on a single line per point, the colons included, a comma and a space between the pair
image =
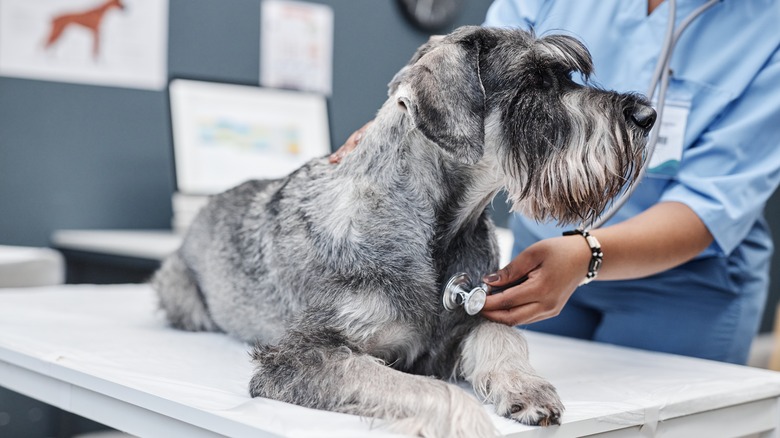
x: 336, y: 271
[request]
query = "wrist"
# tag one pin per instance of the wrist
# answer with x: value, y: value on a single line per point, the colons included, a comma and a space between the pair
x: 596, y: 254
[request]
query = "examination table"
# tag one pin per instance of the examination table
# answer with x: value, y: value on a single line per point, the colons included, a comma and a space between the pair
x: 105, y: 353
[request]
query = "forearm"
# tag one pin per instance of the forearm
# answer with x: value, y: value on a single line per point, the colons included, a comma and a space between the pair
x: 664, y: 236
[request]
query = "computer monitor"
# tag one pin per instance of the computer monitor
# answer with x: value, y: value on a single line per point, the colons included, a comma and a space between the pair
x: 225, y: 134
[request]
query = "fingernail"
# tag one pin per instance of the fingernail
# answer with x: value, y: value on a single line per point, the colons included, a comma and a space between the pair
x: 490, y: 278
x: 358, y: 137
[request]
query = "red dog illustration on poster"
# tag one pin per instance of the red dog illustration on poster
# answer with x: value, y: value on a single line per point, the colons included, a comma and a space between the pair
x: 90, y: 19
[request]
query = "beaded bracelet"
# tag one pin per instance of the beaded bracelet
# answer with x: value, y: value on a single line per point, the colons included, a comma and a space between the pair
x: 596, y: 256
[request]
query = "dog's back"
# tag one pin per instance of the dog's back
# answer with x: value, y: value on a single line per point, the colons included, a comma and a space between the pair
x: 220, y: 278
x: 258, y: 255
x: 209, y: 269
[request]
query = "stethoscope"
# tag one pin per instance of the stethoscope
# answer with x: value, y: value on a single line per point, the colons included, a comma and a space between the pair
x: 458, y: 291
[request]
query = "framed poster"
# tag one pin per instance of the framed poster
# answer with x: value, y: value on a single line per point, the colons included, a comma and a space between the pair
x: 121, y: 43
x: 296, y: 46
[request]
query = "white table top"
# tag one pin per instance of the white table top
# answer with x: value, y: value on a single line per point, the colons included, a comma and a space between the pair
x: 104, y: 352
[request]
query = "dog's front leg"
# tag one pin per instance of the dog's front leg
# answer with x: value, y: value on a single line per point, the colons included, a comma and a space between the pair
x: 322, y: 370
x: 494, y: 359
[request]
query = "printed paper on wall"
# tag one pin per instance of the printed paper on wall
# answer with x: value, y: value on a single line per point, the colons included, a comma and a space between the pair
x: 103, y: 42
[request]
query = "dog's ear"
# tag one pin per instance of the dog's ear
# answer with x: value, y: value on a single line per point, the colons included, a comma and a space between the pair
x: 432, y: 42
x: 441, y: 91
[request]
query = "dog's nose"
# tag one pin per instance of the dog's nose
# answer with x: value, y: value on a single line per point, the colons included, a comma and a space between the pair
x: 643, y: 116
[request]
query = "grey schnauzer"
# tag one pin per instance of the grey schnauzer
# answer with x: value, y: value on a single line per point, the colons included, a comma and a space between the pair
x: 335, y: 272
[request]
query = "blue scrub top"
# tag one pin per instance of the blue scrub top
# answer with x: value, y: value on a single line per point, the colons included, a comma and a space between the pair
x: 726, y: 67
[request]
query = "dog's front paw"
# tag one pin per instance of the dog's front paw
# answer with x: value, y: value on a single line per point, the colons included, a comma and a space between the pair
x: 528, y: 399
x: 443, y: 411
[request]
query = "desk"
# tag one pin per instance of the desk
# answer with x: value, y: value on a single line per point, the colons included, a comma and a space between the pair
x: 104, y: 352
x: 131, y: 256
x: 113, y: 256
x: 144, y: 244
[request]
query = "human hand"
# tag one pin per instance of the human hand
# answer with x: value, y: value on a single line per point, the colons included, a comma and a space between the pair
x: 554, y: 268
x: 349, y: 145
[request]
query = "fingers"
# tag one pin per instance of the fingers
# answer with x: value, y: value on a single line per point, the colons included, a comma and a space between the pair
x: 346, y: 148
x: 514, y: 272
x: 348, y: 145
x: 519, y: 305
x: 510, y: 298
x: 525, y: 314
x: 528, y: 302
x: 550, y: 281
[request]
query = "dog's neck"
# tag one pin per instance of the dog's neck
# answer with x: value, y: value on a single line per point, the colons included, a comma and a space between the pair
x: 393, y: 152
x: 483, y: 185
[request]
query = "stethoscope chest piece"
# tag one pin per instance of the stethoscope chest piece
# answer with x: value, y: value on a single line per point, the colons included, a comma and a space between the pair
x: 458, y: 293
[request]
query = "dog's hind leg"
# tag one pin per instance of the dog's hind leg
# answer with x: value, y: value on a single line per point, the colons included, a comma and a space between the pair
x: 321, y: 370
x: 494, y: 359
x: 180, y: 297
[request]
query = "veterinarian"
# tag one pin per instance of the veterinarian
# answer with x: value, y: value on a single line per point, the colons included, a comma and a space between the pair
x: 687, y: 257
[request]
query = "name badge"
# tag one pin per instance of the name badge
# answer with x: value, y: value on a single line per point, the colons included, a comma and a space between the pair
x: 668, y: 151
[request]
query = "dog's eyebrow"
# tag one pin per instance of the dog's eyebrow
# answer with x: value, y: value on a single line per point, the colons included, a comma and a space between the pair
x: 568, y: 52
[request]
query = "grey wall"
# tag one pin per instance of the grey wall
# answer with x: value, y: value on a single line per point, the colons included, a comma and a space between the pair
x: 78, y: 156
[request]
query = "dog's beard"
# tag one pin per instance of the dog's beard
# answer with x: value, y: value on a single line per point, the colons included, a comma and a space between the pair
x: 588, y: 165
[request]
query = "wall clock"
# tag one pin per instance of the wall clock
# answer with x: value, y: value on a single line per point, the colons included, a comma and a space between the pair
x: 431, y: 15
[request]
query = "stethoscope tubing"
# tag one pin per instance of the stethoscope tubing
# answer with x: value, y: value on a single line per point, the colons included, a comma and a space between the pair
x: 662, y: 73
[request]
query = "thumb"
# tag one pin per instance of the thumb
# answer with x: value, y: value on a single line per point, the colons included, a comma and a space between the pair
x: 519, y: 267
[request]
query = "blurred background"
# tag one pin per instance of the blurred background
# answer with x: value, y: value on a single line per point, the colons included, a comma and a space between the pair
x: 97, y: 156
x: 87, y: 156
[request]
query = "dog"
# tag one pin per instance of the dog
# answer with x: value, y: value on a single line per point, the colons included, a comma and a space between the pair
x: 90, y: 19
x: 335, y: 272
